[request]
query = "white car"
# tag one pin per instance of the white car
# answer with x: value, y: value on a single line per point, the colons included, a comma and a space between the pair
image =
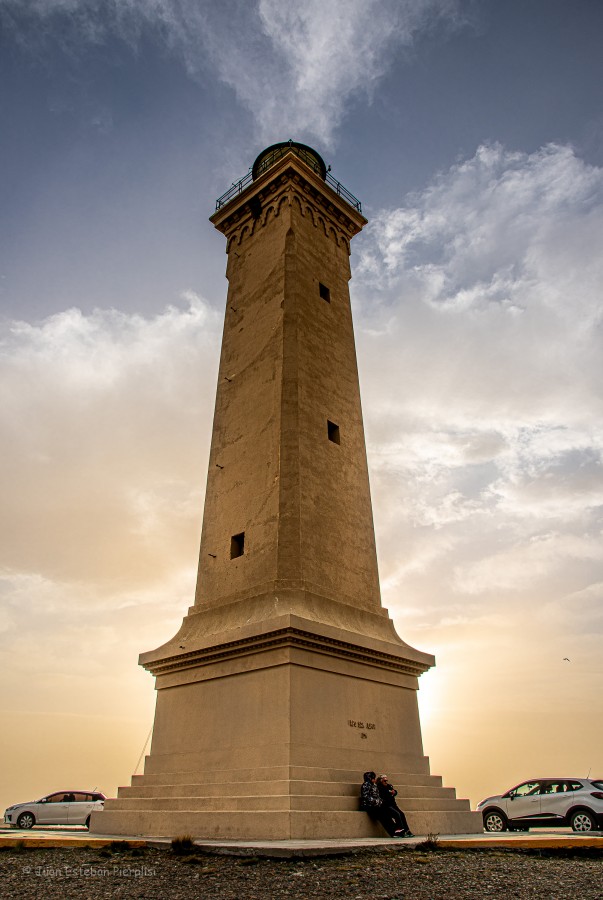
x: 60, y: 808
x: 546, y: 803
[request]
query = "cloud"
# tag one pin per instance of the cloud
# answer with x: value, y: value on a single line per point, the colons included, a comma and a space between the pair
x: 532, y: 565
x: 294, y: 67
x: 105, y: 426
x: 503, y: 228
x: 105, y: 423
x: 478, y: 313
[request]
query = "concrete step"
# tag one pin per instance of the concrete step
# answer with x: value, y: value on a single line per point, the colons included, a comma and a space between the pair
x: 250, y: 788
x: 355, y: 762
x: 285, y: 773
x: 284, y: 825
x: 218, y: 804
x: 273, y: 802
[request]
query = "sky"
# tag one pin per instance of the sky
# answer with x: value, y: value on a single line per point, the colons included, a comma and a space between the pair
x: 472, y: 132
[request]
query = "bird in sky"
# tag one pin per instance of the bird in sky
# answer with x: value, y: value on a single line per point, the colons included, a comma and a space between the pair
x: 565, y: 659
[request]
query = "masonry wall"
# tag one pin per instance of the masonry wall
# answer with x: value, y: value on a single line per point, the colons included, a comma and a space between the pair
x: 242, y: 493
x: 299, y: 493
x: 337, y: 545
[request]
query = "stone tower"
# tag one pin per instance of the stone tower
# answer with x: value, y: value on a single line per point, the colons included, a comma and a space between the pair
x: 287, y: 679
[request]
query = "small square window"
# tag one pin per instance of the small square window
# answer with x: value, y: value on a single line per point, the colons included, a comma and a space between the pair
x: 333, y: 432
x: 237, y: 545
x: 324, y: 292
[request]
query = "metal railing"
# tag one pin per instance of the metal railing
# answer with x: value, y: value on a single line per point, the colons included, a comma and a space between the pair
x: 343, y: 192
x: 238, y: 187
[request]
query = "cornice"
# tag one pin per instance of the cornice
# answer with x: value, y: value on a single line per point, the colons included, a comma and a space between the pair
x: 286, y: 638
x: 254, y: 205
x: 290, y: 191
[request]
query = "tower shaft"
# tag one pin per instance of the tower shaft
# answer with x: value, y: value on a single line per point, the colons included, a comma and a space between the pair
x: 288, y: 464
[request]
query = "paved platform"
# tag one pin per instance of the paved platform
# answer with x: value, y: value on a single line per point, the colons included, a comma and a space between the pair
x: 63, y: 836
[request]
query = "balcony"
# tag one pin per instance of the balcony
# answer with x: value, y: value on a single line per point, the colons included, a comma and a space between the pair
x: 239, y: 186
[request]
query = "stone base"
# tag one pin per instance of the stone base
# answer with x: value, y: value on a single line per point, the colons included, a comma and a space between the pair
x: 309, y: 804
x: 267, y: 737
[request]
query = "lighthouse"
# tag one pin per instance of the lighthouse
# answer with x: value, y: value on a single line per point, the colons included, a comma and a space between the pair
x: 287, y: 678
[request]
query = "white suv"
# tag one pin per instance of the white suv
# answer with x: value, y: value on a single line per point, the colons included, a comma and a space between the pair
x: 60, y: 808
x: 546, y: 803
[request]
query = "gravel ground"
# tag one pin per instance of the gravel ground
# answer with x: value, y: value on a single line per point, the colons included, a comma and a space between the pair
x: 404, y: 874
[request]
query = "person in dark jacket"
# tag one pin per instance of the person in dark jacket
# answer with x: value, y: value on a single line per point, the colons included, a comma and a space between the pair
x: 371, y: 802
x: 388, y: 793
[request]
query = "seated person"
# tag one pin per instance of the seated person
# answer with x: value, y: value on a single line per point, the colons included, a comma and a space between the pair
x: 388, y: 794
x: 371, y: 802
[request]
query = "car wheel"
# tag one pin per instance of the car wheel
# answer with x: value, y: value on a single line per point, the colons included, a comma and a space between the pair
x: 495, y: 821
x: 26, y: 820
x: 582, y: 820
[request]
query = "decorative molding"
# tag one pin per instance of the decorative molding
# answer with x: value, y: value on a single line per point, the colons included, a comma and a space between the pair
x: 286, y: 187
x: 286, y: 637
